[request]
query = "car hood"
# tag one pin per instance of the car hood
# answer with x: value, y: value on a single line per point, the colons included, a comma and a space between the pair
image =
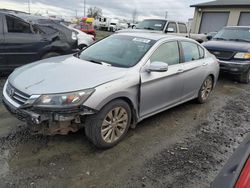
x: 227, y: 45
x: 62, y: 74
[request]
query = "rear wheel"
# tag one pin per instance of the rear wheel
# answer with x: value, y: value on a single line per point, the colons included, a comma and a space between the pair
x: 109, y: 126
x: 50, y: 54
x: 245, y: 77
x: 205, y: 90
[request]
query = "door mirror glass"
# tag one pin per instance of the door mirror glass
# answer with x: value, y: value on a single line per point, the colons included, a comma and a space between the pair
x: 157, y: 66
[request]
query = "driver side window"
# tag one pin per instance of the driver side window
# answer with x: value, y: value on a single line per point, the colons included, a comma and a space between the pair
x: 167, y: 53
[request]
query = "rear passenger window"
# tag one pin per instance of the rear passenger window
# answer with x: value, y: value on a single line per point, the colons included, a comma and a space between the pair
x: 15, y: 25
x: 167, y: 53
x: 190, y: 51
x: 182, y: 28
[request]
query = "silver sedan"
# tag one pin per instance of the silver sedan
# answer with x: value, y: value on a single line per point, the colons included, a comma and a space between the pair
x: 111, y: 85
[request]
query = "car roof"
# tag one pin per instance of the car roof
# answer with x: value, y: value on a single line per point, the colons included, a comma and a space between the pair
x: 151, y: 36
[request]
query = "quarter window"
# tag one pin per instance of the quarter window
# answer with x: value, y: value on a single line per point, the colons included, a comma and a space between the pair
x: 15, y: 25
x: 202, y: 53
x: 190, y: 51
x: 167, y: 53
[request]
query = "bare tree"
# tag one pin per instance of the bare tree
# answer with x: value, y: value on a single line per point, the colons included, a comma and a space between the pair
x: 134, y: 15
x: 94, y: 12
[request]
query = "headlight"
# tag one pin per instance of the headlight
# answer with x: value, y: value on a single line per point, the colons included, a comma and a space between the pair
x: 63, y: 100
x: 242, y: 56
x: 74, y: 36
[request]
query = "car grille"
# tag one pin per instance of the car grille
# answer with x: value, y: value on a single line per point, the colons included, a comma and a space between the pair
x: 16, y: 95
x: 226, y: 55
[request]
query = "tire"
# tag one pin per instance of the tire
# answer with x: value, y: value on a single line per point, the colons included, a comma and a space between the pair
x: 205, y: 90
x: 99, y: 126
x: 245, y: 77
x: 50, y: 54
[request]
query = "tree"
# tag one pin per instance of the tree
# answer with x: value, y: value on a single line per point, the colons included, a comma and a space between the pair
x: 94, y: 12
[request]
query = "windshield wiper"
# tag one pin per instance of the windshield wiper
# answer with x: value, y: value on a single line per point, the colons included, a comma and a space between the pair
x: 240, y: 40
x: 218, y: 38
x: 149, y: 28
x: 94, y: 61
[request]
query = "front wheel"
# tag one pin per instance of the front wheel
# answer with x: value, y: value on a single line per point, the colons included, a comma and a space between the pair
x: 109, y: 126
x: 205, y: 90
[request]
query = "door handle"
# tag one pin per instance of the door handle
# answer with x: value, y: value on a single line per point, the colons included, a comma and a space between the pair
x: 204, y: 64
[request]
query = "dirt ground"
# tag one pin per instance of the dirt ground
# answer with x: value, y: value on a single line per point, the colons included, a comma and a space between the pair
x: 182, y: 147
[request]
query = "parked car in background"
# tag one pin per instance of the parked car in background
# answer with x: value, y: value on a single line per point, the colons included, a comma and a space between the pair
x: 111, y: 85
x: 88, y: 29
x: 65, y: 34
x: 22, y: 43
x: 83, y: 39
x: 235, y: 173
x: 232, y: 47
x: 167, y: 27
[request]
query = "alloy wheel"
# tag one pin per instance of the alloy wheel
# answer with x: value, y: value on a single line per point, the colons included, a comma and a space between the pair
x: 206, y: 88
x: 114, y: 124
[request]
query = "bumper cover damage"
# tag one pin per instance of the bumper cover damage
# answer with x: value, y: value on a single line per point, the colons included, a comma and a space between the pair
x: 50, y: 121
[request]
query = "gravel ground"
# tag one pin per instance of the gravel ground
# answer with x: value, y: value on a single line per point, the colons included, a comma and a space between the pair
x: 182, y: 147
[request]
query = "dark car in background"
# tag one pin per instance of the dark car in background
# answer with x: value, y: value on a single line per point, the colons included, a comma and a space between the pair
x: 231, y: 46
x: 47, y: 24
x: 22, y: 43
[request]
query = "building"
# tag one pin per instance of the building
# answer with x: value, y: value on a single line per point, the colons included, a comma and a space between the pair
x: 213, y: 16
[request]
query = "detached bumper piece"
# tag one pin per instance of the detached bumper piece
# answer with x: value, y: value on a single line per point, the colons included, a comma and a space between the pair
x: 50, y: 122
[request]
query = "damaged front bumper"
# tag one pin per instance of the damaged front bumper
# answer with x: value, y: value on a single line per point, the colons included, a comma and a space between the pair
x: 50, y: 121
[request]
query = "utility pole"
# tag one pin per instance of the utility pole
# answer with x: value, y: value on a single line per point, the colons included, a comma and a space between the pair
x: 84, y: 8
x: 29, y: 6
x: 166, y: 15
x: 76, y: 13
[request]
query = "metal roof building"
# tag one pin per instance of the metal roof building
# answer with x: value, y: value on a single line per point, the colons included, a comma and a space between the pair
x: 213, y: 16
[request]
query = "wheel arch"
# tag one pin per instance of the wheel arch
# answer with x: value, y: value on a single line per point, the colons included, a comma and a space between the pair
x: 132, y: 104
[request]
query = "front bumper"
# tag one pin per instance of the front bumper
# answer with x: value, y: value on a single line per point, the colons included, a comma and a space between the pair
x: 49, y: 121
x: 236, y: 68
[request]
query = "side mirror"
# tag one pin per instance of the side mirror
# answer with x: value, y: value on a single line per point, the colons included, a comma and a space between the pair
x: 170, y: 30
x: 157, y: 66
x: 209, y: 37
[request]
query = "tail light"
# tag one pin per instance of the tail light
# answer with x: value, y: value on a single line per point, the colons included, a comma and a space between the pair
x: 244, y: 179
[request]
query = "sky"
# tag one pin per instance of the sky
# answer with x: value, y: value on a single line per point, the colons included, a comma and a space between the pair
x: 176, y: 9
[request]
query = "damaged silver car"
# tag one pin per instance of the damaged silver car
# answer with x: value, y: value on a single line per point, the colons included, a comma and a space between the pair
x: 111, y: 85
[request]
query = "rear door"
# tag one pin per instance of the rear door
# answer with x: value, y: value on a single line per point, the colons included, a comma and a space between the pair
x: 2, y: 53
x: 22, y: 44
x: 194, y: 68
x: 160, y: 90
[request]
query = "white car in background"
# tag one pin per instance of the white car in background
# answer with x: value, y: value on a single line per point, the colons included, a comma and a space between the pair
x: 83, y: 39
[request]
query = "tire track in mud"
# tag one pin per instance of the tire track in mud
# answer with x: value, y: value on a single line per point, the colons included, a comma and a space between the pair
x: 196, y: 160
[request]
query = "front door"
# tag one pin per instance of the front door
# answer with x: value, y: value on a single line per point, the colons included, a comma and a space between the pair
x: 160, y: 90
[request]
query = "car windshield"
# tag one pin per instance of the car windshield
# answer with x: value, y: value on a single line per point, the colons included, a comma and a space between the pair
x: 157, y: 25
x: 118, y: 50
x: 234, y: 34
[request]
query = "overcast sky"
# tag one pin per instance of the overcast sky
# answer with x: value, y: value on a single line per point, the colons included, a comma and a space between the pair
x: 177, y: 9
